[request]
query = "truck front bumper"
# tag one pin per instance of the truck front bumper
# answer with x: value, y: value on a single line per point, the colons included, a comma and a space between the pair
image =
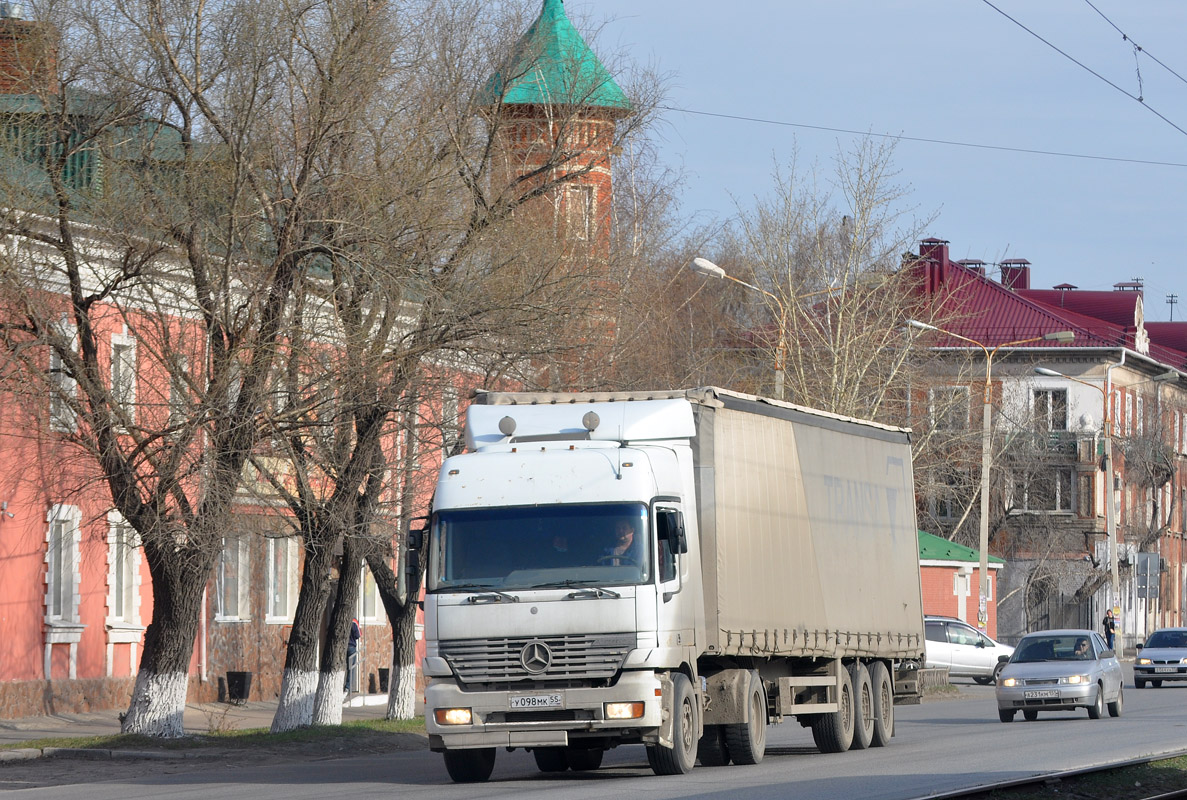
x: 581, y: 714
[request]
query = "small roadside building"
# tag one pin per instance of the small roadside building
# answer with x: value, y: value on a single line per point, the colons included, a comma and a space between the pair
x: 949, y: 574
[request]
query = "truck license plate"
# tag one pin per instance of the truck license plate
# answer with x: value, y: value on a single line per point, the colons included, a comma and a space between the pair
x: 1166, y: 669
x: 1038, y: 694
x: 536, y: 701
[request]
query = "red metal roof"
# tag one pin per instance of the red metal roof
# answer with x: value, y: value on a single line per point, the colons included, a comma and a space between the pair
x: 1120, y: 308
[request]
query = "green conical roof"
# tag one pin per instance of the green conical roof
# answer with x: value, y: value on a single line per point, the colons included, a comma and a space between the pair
x: 934, y: 548
x: 552, y: 65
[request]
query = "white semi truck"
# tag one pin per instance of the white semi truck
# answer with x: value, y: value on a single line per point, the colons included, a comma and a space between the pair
x: 676, y: 569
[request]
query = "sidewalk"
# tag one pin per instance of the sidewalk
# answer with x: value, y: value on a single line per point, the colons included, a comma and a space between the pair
x: 198, y: 718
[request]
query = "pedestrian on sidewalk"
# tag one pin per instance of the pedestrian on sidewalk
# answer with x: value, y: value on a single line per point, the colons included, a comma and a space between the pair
x: 352, y: 650
x: 1110, y: 628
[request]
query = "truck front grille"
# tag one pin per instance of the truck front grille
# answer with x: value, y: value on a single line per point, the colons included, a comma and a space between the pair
x: 574, y: 657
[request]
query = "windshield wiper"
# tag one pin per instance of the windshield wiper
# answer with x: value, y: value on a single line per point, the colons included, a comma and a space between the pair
x: 593, y: 593
x: 485, y: 593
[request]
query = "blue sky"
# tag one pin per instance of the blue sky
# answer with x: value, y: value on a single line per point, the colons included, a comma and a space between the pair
x: 952, y: 70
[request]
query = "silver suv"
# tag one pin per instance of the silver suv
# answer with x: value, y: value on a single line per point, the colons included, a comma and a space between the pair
x: 963, y: 650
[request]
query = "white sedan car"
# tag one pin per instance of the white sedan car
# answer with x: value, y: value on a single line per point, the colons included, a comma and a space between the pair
x: 962, y: 649
x: 1162, y: 658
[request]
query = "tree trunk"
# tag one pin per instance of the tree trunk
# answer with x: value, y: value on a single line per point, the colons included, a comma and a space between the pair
x: 158, y: 699
x: 328, y: 703
x: 401, y: 699
x: 300, y: 683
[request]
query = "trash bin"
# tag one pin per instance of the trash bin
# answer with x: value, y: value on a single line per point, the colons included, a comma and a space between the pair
x: 238, y: 687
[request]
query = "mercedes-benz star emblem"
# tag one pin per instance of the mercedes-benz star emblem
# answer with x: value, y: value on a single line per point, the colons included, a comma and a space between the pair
x: 535, y: 656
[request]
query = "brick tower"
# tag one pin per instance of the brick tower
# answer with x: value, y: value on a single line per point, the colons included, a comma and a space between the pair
x: 28, y: 53
x: 558, y: 97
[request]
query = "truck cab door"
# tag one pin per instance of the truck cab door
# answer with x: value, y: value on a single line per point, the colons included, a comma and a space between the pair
x: 675, y: 613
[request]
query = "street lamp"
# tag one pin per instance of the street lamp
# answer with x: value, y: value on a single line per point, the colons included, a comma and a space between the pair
x: 986, y: 454
x: 705, y: 267
x: 1110, y: 497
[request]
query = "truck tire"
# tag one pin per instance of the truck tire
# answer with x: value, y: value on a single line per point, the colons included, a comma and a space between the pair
x: 833, y: 733
x: 863, y: 706
x: 470, y: 766
x: 883, y: 704
x: 584, y: 759
x: 711, y: 750
x: 551, y: 759
x: 746, y: 742
x: 682, y: 755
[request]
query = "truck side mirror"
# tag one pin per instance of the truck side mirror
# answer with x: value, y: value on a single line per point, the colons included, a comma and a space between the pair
x: 416, y: 538
x: 679, y: 540
x: 411, y: 567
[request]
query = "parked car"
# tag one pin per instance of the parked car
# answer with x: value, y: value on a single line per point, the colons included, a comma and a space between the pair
x: 964, y: 650
x: 1060, y: 671
x: 1162, y: 658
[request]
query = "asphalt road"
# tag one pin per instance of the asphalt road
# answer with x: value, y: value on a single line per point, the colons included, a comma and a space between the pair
x: 939, y: 746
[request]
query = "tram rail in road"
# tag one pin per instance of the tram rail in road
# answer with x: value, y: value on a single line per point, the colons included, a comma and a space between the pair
x: 984, y: 790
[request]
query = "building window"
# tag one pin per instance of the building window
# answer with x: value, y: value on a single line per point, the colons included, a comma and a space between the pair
x: 123, y: 573
x: 123, y: 374
x: 63, y: 387
x: 1050, y: 409
x: 370, y: 603
x: 1049, y: 490
x: 233, y: 579
x: 579, y: 212
x: 282, y: 579
x: 450, y: 434
x: 62, y: 565
x: 178, y: 391
x: 949, y: 407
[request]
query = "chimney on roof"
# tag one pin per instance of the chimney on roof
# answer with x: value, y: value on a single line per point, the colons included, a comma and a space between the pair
x: 934, y: 255
x: 28, y: 53
x: 1015, y: 273
x: 1129, y: 286
x: 975, y: 264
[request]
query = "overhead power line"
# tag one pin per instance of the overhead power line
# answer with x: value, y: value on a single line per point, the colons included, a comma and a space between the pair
x: 1088, y: 69
x: 924, y: 140
x: 1137, y: 47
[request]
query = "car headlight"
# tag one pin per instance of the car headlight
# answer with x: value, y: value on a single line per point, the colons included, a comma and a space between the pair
x: 1010, y: 682
x: 1183, y: 660
x: 1146, y: 661
x: 1077, y: 679
x: 453, y: 716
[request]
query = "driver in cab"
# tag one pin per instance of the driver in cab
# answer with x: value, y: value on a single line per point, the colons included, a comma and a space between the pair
x: 623, y: 551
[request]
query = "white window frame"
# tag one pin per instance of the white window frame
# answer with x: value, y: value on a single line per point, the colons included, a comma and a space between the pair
x: 64, y: 626
x: 240, y: 547
x: 273, y: 614
x: 62, y: 417
x: 123, y: 578
x: 371, y: 610
x: 580, y: 202
x: 1050, y: 393
x: 123, y: 373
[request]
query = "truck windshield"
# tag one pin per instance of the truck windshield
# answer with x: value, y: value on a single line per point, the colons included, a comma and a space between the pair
x: 539, y: 547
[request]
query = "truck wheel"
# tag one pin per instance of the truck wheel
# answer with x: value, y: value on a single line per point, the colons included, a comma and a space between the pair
x: 883, y: 704
x: 747, y: 741
x: 833, y: 733
x: 682, y: 756
x: 863, y: 706
x: 711, y: 750
x: 584, y: 759
x: 550, y: 759
x: 470, y: 766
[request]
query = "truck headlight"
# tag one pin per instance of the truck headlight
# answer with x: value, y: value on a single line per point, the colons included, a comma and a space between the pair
x: 453, y: 716
x: 623, y: 710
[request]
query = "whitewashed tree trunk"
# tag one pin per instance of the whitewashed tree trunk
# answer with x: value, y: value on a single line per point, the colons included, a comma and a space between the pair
x: 401, y: 699
x: 297, y: 693
x: 327, y: 708
x: 158, y: 705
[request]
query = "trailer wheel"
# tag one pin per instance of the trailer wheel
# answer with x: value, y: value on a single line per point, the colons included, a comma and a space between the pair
x: 470, y: 766
x: 883, y: 704
x: 711, y: 750
x: 584, y: 759
x: 863, y: 706
x: 682, y: 756
x: 747, y: 741
x: 833, y: 733
x: 550, y: 759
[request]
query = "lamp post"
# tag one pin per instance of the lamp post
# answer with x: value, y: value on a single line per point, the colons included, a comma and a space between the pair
x: 705, y: 267
x: 1110, y: 494
x: 986, y: 451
